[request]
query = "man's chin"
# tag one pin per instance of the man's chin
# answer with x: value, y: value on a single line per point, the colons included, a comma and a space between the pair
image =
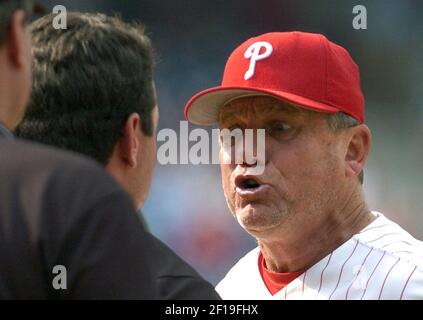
x: 258, y: 218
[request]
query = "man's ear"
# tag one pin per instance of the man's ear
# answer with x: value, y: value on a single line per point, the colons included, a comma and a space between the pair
x: 17, y: 40
x: 129, y: 142
x: 360, y: 141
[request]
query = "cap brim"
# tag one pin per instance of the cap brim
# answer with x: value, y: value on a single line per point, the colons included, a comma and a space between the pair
x: 203, y: 108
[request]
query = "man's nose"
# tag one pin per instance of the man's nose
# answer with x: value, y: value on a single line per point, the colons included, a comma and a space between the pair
x: 252, y: 147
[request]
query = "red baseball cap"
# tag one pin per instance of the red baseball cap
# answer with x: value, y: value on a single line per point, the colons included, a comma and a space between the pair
x: 304, y: 69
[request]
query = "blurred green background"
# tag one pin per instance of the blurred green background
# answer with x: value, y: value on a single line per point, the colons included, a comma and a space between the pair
x: 193, y: 39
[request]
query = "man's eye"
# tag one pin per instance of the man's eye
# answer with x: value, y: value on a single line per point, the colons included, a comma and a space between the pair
x: 281, y: 126
x: 232, y: 128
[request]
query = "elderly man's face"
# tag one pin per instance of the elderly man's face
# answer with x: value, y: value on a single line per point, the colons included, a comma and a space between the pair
x: 303, y: 165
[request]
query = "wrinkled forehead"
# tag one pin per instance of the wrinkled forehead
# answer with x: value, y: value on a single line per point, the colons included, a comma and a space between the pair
x: 257, y: 106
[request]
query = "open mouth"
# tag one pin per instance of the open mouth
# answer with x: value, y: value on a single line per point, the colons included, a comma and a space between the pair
x: 247, y: 183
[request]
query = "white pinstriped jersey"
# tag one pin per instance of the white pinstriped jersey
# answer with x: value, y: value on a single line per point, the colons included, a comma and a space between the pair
x: 382, y: 261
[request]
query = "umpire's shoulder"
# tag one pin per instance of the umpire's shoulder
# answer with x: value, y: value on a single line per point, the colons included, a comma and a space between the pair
x: 68, y: 178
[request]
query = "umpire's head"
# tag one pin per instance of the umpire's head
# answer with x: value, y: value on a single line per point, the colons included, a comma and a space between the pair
x: 93, y: 93
x: 15, y: 60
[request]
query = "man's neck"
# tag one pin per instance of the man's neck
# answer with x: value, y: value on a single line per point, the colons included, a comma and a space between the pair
x: 297, y: 250
x: 7, y: 105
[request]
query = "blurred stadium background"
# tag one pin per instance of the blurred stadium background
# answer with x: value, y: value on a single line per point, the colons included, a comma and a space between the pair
x: 193, y: 38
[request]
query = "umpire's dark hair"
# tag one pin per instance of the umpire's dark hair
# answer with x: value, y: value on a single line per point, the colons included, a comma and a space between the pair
x: 88, y: 79
x: 7, y: 8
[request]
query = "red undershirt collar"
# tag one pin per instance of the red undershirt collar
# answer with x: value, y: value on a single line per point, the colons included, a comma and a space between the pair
x: 275, y: 281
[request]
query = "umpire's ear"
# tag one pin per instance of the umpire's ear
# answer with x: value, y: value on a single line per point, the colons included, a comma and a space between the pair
x: 129, y: 142
x: 359, y: 141
x: 18, y: 41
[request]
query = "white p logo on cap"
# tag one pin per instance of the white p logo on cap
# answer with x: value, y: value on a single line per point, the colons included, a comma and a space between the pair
x: 253, y: 53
